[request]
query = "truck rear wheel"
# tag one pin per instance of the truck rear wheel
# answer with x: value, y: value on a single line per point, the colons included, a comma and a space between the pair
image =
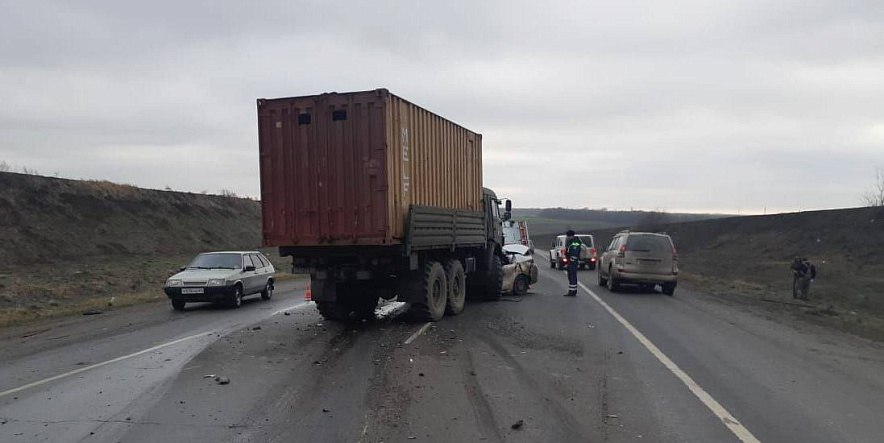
x: 351, y: 304
x: 494, y: 280
x: 457, y: 287
x: 332, y: 310
x: 433, y: 293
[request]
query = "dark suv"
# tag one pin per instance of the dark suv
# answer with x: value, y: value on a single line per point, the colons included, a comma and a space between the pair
x: 643, y: 258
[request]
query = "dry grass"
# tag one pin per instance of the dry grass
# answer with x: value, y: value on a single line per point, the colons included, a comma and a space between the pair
x: 107, y: 189
x: 22, y: 315
x: 824, y: 309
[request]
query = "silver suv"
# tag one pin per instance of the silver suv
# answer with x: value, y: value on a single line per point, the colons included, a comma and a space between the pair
x: 643, y: 258
x: 221, y: 277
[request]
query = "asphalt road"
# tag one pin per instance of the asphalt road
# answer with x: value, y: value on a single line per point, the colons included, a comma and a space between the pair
x: 629, y: 366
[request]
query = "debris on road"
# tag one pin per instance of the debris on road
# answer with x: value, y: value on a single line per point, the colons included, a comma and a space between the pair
x: 209, y: 376
x: 326, y: 410
x: 286, y: 313
x: 518, y: 424
x: 256, y: 328
x: 222, y: 380
x: 93, y: 312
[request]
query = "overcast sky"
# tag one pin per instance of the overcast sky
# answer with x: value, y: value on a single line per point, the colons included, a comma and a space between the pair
x: 720, y: 106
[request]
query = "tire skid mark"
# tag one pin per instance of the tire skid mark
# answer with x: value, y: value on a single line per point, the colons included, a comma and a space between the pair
x: 603, y: 397
x: 570, y: 425
x: 306, y: 396
x: 482, y: 409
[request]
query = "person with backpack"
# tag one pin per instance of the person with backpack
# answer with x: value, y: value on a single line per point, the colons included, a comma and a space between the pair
x: 573, y: 250
x: 803, y: 273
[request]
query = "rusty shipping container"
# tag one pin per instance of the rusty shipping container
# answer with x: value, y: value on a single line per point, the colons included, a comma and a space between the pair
x: 344, y: 168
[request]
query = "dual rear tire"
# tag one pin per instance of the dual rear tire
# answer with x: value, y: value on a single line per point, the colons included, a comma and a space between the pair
x: 457, y: 287
x: 442, y: 288
x: 432, y: 285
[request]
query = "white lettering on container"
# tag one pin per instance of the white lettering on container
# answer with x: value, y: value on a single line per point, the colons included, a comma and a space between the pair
x: 406, y: 182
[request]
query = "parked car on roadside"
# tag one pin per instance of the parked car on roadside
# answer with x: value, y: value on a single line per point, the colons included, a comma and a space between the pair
x: 558, y: 258
x: 221, y: 277
x: 643, y: 258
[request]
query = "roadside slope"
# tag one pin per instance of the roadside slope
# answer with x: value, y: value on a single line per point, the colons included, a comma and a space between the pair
x: 45, y: 220
x: 70, y: 245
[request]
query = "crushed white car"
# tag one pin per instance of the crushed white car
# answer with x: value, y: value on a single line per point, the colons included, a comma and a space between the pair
x: 521, y: 272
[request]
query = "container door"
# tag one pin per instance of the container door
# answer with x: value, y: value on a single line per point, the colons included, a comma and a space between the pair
x: 323, y: 170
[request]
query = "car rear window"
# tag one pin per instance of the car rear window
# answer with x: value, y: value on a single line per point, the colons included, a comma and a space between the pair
x: 587, y: 240
x: 649, y: 243
x: 264, y: 260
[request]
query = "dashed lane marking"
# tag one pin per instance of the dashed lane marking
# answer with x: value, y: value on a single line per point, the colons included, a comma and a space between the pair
x: 104, y: 363
x: 125, y: 357
x: 417, y: 333
x: 292, y: 308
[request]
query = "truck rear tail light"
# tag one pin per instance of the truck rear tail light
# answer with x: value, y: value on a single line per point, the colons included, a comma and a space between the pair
x: 592, y: 252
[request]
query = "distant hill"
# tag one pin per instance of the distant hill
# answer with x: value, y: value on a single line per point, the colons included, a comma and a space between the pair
x: 557, y: 220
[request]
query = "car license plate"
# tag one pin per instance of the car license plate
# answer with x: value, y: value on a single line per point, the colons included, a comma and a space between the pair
x: 192, y: 290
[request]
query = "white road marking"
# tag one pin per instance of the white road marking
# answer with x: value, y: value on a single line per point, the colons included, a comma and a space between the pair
x: 128, y: 356
x: 729, y: 420
x: 417, y: 333
x: 104, y: 363
x: 292, y: 308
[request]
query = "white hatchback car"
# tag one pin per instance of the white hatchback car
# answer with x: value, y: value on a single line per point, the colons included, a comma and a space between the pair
x: 221, y: 277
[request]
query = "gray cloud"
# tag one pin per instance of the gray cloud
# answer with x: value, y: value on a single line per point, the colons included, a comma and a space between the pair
x: 741, y: 105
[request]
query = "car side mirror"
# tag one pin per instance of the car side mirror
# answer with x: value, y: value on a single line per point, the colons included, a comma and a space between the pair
x: 182, y: 268
x: 249, y: 268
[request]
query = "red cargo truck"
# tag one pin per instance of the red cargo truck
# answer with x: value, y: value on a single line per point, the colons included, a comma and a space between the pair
x: 376, y: 197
